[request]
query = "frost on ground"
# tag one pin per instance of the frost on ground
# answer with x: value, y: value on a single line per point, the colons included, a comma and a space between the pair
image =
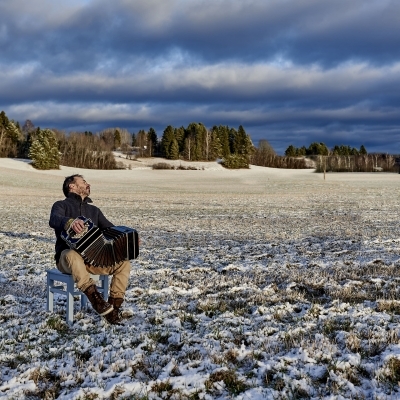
x: 250, y: 285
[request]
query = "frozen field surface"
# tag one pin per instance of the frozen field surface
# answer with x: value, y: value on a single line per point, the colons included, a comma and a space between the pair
x: 251, y: 284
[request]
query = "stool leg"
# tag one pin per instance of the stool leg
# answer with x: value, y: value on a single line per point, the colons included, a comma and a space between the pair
x: 83, y: 301
x: 50, y: 294
x: 106, y: 286
x: 70, y: 302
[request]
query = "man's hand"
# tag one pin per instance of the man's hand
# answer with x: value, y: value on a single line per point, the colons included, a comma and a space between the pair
x: 77, y: 225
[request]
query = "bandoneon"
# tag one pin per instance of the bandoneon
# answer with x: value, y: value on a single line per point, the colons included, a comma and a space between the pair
x: 103, y: 248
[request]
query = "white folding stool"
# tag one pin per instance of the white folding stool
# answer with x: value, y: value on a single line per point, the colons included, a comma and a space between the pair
x: 54, y: 275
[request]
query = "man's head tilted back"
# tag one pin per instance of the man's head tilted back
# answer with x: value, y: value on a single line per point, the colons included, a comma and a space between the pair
x: 76, y: 184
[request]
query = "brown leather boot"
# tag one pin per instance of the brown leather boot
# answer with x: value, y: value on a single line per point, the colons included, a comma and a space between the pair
x: 98, y: 303
x: 115, y: 317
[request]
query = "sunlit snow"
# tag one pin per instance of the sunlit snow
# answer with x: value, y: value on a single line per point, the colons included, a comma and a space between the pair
x: 251, y: 284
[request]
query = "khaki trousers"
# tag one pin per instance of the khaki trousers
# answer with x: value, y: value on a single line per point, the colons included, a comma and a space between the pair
x: 72, y: 263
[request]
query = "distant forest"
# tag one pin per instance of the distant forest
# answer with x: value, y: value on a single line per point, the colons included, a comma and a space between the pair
x: 342, y: 158
x: 49, y: 148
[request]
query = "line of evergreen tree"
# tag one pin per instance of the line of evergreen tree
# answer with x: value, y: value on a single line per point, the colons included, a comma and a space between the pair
x: 315, y: 149
x: 197, y: 143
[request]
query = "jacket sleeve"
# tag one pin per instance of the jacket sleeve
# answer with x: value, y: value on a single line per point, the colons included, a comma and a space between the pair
x: 58, y: 219
x: 103, y: 221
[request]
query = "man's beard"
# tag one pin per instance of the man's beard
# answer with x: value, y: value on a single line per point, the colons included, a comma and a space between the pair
x: 84, y: 192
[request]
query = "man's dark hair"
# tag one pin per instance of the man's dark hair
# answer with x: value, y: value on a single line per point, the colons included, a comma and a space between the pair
x: 68, y: 180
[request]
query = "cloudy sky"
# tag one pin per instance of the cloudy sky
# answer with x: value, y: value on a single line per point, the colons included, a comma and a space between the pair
x: 289, y: 71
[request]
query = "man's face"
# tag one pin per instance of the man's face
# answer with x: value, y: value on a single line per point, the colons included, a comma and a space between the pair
x: 80, y: 187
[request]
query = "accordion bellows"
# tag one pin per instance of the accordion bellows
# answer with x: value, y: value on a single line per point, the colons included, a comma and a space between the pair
x: 103, y: 248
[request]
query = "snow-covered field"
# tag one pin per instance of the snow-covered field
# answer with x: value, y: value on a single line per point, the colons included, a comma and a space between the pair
x: 251, y: 284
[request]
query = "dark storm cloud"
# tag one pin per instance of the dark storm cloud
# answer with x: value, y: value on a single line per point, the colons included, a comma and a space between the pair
x: 310, y: 31
x: 231, y: 83
x: 289, y: 71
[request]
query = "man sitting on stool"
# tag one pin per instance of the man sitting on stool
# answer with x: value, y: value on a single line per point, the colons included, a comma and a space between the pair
x: 63, y: 217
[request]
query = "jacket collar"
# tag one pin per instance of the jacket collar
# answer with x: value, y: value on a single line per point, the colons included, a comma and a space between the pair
x: 76, y: 197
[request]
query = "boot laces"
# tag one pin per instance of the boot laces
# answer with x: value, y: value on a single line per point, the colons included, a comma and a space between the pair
x: 98, y: 296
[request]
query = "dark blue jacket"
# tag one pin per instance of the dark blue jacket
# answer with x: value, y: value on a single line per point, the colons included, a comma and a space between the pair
x: 73, y: 206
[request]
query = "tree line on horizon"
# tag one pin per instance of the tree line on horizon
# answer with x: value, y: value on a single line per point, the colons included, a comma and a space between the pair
x: 356, y: 163
x: 321, y: 149
x: 344, y: 158
x: 49, y: 148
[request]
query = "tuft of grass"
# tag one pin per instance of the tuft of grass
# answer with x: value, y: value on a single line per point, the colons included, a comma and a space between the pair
x: 188, y: 318
x: 298, y: 392
x: 234, y: 385
x: 175, y: 371
x: 160, y: 387
x: 373, y: 348
x: 159, y: 337
x: 142, y: 368
x: 394, y: 370
x: 292, y: 339
x: 146, y: 368
x: 231, y: 356
x: 83, y: 356
x: 55, y: 322
x: 212, y: 308
x: 353, y: 377
x: 314, y: 311
x: 331, y: 326
x: 353, y: 342
x: 48, y: 384
x: 278, y: 384
x: 268, y: 377
x: 165, y: 390
x: 17, y: 361
x: 89, y: 396
x: 155, y: 320
x: 392, y: 306
x: 116, y: 394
